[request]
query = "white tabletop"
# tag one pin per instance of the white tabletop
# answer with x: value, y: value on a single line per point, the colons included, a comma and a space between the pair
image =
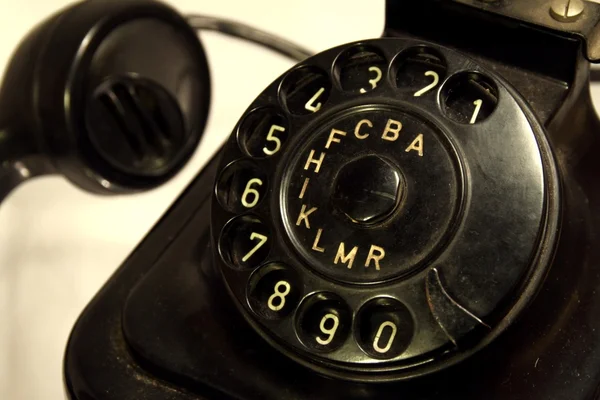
x: 58, y: 245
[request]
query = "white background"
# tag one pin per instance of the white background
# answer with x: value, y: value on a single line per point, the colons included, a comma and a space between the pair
x: 58, y: 245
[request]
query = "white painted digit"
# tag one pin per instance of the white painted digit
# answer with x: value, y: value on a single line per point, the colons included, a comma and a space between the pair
x: 309, y: 104
x: 374, y: 81
x: 328, y: 331
x: 272, y: 138
x: 278, y: 294
x: 478, y: 103
x: 436, y: 80
x: 249, y: 191
x: 388, y: 346
x: 262, y: 239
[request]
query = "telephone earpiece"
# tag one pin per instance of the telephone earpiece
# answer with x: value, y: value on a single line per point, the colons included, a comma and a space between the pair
x: 114, y: 95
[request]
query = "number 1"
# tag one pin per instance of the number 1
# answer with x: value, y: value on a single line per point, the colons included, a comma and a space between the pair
x: 262, y: 239
x: 478, y: 103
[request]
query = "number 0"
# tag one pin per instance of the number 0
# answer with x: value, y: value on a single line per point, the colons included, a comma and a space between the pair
x: 388, y: 346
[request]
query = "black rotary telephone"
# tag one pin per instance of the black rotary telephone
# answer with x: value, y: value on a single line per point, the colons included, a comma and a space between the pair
x: 410, y: 217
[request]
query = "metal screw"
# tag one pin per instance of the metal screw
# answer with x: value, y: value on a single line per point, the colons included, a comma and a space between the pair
x: 567, y: 10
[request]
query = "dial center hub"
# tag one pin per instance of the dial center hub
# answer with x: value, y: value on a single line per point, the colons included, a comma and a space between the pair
x: 371, y: 195
x: 368, y: 189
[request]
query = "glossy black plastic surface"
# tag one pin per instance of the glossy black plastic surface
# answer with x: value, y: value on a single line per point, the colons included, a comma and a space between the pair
x: 183, y: 347
x: 112, y: 94
x: 164, y: 325
x: 380, y: 189
x: 473, y: 189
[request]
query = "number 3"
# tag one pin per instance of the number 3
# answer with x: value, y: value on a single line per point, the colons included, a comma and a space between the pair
x: 272, y: 138
x: 374, y: 81
x: 331, y: 331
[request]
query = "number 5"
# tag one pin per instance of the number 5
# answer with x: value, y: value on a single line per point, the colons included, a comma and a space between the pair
x: 272, y: 138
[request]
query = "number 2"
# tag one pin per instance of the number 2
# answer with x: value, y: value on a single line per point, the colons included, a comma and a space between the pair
x: 272, y: 138
x: 328, y: 331
x: 262, y: 239
x: 436, y: 80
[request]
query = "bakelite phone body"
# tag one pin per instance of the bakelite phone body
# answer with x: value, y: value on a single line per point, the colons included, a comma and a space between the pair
x: 408, y: 217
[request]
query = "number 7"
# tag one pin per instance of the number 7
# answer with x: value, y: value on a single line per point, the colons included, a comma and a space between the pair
x: 262, y: 239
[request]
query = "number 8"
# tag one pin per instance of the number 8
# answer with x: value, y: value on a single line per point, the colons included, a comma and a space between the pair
x: 279, y: 295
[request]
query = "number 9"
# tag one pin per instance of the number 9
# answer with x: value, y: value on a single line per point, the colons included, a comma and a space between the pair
x: 328, y: 331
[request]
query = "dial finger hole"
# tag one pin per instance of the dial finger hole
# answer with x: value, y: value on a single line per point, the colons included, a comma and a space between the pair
x: 384, y: 328
x: 420, y: 70
x: 274, y: 291
x: 245, y: 242
x: 360, y: 69
x: 263, y: 133
x: 469, y: 97
x: 241, y: 186
x: 323, y: 322
x: 305, y: 90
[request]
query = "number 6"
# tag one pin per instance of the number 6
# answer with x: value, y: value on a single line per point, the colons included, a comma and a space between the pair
x: 249, y: 191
